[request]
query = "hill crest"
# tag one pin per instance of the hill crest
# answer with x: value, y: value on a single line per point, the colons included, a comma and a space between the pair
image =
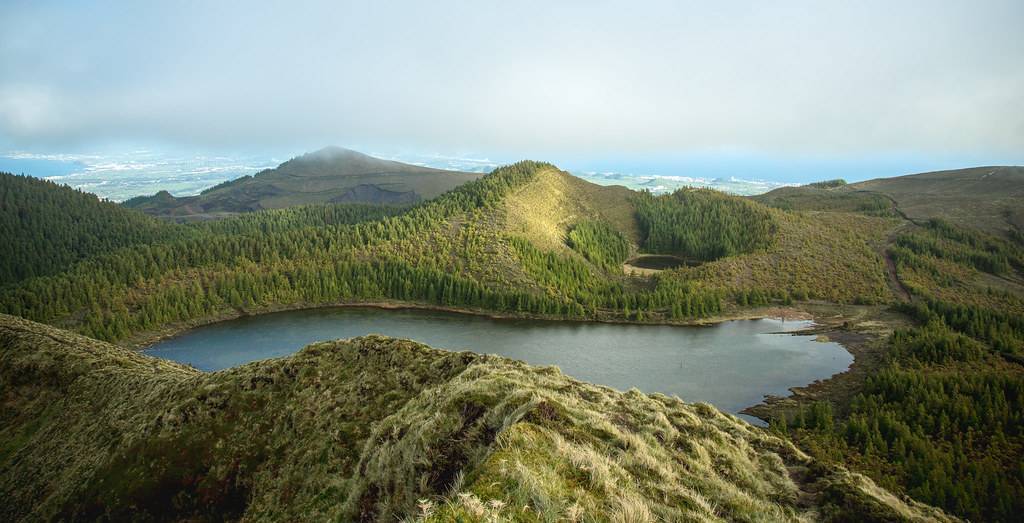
x: 990, y: 198
x: 329, y: 175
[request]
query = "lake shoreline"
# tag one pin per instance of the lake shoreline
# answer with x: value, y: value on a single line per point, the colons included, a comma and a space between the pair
x: 732, y: 364
x: 863, y: 333
x: 830, y: 320
x: 143, y: 340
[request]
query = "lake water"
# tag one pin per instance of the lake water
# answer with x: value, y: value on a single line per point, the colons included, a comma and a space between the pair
x: 731, y: 365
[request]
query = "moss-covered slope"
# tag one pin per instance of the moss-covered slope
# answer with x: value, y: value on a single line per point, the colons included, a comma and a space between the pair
x: 377, y: 429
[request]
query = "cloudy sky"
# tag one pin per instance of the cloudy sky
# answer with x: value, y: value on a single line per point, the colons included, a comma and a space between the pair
x: 790, y: 85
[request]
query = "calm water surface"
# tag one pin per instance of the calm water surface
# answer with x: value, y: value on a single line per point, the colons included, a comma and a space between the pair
x: 731, y: 365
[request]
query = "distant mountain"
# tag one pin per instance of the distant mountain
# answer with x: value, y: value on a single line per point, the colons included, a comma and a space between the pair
x: 330, y: 175
x: 990, y: 199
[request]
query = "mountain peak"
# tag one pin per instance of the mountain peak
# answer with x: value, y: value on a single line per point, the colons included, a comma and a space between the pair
x: 335, y: 152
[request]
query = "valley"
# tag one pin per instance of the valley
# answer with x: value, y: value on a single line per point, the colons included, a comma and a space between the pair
x: 930, y: 309
x: 526, y: 262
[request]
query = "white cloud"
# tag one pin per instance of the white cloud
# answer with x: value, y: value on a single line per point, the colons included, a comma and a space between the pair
x: 787, y: 77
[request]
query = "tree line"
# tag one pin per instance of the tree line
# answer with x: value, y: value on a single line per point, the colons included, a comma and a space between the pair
x: 702, y: 224
x: 331, y: 253
x: 46, y: 227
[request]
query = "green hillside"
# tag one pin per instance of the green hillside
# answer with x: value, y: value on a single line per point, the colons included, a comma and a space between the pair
x: 47, y: 227
x: 376, y: 429
x: 330, y: 175
x: 930, y: 309
x: 941, y: 414
x: 490, y: 245
x: 990, y: 199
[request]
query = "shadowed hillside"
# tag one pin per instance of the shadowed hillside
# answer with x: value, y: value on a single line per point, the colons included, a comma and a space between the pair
x: 330, y: 175
x: 375, y: 429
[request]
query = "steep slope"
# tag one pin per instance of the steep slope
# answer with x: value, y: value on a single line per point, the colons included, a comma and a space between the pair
x: 332, y: 174
x: 46, y: 227
x: 545, y: 210
x: 375, y: 429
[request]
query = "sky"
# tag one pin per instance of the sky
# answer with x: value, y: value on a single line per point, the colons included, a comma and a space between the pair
x: 792, y: 91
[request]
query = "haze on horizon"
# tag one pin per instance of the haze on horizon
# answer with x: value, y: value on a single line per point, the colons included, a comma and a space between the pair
x: 813, y: 87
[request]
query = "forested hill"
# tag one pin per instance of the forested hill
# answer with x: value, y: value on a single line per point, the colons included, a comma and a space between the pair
x: 526, y: 239
x: 330, y: 175
x: 47, y: 227
x: 935, y: 411
x: 990, y: 199
x: 378, y: 429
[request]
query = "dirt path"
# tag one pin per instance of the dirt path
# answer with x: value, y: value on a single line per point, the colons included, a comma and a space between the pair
x: 890, y: 270
x: 892, y: 278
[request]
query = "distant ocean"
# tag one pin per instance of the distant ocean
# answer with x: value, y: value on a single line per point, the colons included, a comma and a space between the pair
x: 125, y: 175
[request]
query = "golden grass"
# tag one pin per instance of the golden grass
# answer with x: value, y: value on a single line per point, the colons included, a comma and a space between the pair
x: 544, y: 210
x: 830, y: 256
x: 377, y: 429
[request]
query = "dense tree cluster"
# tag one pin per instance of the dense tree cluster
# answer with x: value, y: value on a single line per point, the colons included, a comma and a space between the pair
x: 569, y: 276
x: 1003, y: 332
x: 944, y: 241
x: 46, y: 227
x: 314, y: 215
x: 948, y: 437
x: 828, y: 184
x: 324, y: 254
x: 818, y: 197
x: 281, y: 243
x: 702, y: 224
x: 599, y: 244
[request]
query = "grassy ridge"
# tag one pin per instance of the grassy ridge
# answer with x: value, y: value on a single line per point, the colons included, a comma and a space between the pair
x: 377, y: 429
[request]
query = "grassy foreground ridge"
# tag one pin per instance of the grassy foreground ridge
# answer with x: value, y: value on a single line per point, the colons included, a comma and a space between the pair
x: 375, y: 429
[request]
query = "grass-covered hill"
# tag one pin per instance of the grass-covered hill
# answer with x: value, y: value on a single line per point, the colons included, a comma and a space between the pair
x: 47, y: 227
x: 836, y: 196
x: 330, y: 175
x: 990, y: 199
x: 375, y: 429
